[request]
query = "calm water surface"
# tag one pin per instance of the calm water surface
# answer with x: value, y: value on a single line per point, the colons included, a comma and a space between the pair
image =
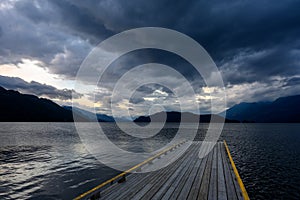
x: 48, y: 160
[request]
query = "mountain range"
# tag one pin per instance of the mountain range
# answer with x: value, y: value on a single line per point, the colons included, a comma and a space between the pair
x: 282, y: 110
x: 182, y: 117
x: 89, y: 115
x: 17, y: 107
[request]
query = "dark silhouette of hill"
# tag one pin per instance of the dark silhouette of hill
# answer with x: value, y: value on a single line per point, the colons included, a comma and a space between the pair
x: 17, y: 107
x: 282, y: 110
x: 181, y: 117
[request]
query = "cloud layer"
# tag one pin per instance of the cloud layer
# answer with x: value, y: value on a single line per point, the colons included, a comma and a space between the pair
x: 255, y: 44
x: 14, y: 83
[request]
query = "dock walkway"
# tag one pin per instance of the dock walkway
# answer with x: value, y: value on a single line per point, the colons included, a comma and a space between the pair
x: 189, y: 177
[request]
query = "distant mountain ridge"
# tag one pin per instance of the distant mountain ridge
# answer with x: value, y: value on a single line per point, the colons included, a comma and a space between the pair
x: 282, y: 110
x: 89, y: 115
x: 17, y: 107
x: 178, y: 116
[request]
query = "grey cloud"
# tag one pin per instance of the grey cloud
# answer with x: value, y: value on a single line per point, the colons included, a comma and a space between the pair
x: 37, y: 11
x: 251, y: 41
x: 136, y: 100
x: 219, y: 26
x: 81, y: 21
x: 120, y: 15
x: 146, y: 89
x: 224, y: 29
x: 294, y: 81
x: 36, y: 88
x: 26, y: 34
x: 260, y: 66
x: 149, y: 90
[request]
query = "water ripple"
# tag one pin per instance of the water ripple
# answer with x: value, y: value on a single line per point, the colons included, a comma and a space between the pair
x: 48, y: 161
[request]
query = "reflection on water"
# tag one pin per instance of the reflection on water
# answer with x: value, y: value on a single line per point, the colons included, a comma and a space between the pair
x: 48, y: 161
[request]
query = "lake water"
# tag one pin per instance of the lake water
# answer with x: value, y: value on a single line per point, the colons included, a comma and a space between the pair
x: 48, y: 160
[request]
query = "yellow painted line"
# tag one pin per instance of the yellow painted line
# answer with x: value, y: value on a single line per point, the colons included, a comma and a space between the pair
x: 241, y: 184
x: 125, y: 172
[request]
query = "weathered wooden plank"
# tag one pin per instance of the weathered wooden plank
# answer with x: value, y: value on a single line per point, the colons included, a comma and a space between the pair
x: 230, y: 189
x: 212, y: 191
x: 178, y: 189
x: 165, y: 187
x: 138, y: 178
x: 162, y: 180
x: 189, y: 177
x: 130, y: 180
x: 169, y: 158
x: 141, y: 193
x: 190, y: 180
x: 222, y: 195
x: 203, y: 191
x: 133, y: 189
x: 197, y: 182
x: 188, y: 186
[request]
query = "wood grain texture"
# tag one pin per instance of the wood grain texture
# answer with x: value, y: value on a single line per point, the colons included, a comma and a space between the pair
x: 189, y: 177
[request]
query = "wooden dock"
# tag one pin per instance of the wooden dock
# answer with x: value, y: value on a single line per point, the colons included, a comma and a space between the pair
x: 189, y: 177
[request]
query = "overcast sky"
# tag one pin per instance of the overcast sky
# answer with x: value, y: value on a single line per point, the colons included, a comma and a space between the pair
x: 254, y: 43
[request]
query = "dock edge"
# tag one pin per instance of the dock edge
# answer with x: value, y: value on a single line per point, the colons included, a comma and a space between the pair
x: 240, y: 182
x: 92, y: 191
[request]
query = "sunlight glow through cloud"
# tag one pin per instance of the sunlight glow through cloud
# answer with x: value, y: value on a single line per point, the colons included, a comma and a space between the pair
x: 33, y: 70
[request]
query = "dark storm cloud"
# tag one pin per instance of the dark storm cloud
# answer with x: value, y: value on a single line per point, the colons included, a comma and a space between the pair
x: 215, y: 24
x: 261, y: 66
x: 120, y: 15
x: 36, y: 11
x: 146, y: 89
x: 34, y: 30
x: 224, y: 28
x: 14, y: 83
x: 293, y: 81
x: 81, y: 20
x: 150, y: 90
x: 251, y: 41
x: 138, y: 57
x: 136, y: 100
